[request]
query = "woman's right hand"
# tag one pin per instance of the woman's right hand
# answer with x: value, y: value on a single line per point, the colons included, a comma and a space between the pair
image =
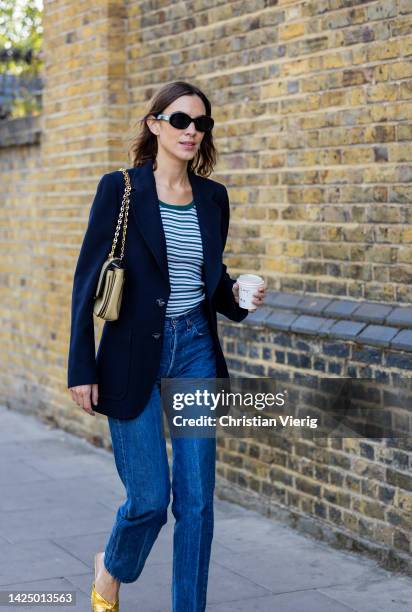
x: 83, y: 395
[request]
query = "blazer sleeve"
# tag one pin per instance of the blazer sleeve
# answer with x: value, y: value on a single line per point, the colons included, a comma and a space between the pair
x: 223, y: 297
x: 96, y: 246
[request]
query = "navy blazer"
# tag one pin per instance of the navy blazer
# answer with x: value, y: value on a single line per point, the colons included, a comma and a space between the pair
x: 128, y: 356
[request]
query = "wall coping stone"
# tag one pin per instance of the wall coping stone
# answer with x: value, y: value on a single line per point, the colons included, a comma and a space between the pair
x: 361, y: 321
x: 20, y: 131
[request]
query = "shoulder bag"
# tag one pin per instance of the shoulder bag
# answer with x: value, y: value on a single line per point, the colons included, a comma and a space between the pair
x: 109, y: 291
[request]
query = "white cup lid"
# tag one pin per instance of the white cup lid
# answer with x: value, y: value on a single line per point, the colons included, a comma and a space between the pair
x: 250, y: 279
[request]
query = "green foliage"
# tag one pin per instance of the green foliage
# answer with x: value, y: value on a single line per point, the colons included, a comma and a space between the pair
x: 21, y: 37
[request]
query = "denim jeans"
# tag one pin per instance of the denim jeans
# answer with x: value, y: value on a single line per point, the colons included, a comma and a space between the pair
x: 139, y: 448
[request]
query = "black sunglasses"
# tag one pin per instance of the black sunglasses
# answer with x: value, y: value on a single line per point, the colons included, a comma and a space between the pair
x: 181, y: 121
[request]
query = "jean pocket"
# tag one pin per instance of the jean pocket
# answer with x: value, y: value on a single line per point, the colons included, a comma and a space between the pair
x: 200, y: 327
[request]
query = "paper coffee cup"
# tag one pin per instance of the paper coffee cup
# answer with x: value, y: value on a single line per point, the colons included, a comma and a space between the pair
x: 248, y: 284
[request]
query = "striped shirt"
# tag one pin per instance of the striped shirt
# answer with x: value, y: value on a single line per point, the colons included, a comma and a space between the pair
x: 184, y: 256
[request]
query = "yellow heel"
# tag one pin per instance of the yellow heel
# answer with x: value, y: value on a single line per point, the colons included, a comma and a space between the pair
x: 99, y: 603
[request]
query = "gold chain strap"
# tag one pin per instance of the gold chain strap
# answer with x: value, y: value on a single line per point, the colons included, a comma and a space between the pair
x: 123, y: 211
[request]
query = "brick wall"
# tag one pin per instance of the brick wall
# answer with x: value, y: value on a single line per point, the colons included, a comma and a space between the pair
x: 354, y: 492
x: 313, y: 109
x: 313, y: 103
x: 23, y: 263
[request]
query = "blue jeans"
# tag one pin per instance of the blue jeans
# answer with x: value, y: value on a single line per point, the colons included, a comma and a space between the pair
x: 139, y: 448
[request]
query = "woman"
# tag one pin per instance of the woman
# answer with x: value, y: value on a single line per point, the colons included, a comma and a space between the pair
x: 167, y: 328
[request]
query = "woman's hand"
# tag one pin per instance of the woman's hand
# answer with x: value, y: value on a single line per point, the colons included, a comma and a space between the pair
x: 81, y: 395
x: 258, y: 296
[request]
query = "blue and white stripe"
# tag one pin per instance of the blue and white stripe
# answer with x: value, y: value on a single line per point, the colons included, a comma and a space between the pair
x: 184, y: 256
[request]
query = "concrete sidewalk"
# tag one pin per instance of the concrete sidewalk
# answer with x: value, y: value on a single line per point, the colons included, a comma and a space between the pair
x: 58, y: 502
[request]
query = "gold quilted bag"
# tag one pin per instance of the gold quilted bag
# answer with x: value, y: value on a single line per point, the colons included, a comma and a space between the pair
x: 109, y: 291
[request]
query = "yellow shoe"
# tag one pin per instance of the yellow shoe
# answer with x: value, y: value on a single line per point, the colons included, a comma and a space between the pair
x: 99, y: 603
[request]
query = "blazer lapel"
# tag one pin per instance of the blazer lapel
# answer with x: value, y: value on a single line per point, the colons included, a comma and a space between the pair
x: 145, y: 210
x: 146, y: 213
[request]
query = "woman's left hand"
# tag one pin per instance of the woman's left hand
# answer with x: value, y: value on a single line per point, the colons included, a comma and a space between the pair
x: 258, y: 296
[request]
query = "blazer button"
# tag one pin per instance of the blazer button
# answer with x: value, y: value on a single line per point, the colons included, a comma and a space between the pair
x: 160, y: 302
x: 156, y: 335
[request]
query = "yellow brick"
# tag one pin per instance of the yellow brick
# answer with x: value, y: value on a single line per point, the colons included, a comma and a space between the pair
x: 407, y: 234
x: 295, y: 249
x: 291, y: 31
x: 334, y: 60
x: 274, y: 249
x: 405, y: 90
x: 401, y: 70
x: 383, y: 50
x: 357, y: 155
x: 383, y: 92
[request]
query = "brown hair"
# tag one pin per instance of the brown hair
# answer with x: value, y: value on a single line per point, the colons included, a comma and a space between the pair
x: 144, y: 144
